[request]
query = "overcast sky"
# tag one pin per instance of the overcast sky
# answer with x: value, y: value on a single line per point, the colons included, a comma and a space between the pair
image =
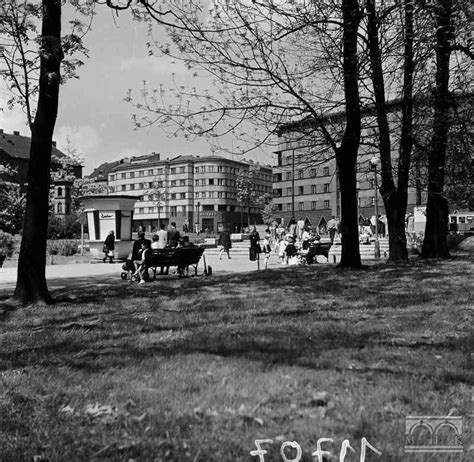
x: 92, y: 112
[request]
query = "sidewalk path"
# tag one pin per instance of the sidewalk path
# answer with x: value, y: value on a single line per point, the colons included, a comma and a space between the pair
x: 73, y: 275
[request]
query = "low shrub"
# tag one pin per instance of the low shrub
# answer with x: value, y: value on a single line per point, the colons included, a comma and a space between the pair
x: 64, y: 247
x: 9, y: 245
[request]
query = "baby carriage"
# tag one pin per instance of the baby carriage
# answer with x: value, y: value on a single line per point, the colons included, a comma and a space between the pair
x: 129, y: 271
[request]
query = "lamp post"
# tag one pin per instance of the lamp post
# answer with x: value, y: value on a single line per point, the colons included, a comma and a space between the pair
x: 373, y: 166
x: 198, y: 222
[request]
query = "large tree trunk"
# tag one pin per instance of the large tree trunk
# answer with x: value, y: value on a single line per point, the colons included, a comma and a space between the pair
x: 434, y: 243
x: 31, y: 284
x: 395, y: 197
x: 346, y: 154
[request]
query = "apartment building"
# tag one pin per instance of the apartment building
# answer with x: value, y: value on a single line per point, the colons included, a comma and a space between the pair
x: 306, y: 182
x: 196, y: 192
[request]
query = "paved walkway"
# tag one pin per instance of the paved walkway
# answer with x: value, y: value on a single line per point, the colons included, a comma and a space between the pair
x: 73, y: 275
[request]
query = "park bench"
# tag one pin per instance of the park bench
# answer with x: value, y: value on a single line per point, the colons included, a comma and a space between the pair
x: 181, y: 257
x: 321, y: 248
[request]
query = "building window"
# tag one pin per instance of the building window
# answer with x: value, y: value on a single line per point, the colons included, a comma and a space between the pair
x: 301, y: 206
x: 184, y: 209
x: 219, y: 168
x: 112, y: 178
x: 132, y: 174
x: 173, y: 196
x: 313, y: 189
x: 196, y: 195
x: 300, y: 174
x: 60, y: 191
x: 123, y: 176
x: 313, y: 205
x: 132, y: 186
x: 203, y: 169
x: 173, y: 171
x: 172, y: 183
x: 182, y: 169
x: 300, y: 190
x: 150, y: 172
x: 288, y: 191
x: 141, y: 210
x: 288, y: 175
x: 141, y: 173
x: 196, y: 169
x: 208, y: 208
x: 371, y: 184
x: 211, y: 181
x: 288, y: 207
x: 173, y: 210
x: 182, y: 195
x: 326, y: 171
x: 203, y: 182
x: 151, y: 209
x: 196, y: 182
x: 326, y: 204
x: 182, y: 182
x: 326, y: 187
x: 60, y: 207
x: 288, y: 160
x: 220, y: 181
x: 219, y: 194
x: 313, y: 172
x: 123, y: 187
x: 203, y: 194
x: 372, y: 200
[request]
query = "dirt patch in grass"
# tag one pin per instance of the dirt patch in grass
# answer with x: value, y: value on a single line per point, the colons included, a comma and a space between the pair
x: 197, y: 369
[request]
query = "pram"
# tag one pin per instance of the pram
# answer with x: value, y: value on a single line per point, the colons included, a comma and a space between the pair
x: 129, y: 271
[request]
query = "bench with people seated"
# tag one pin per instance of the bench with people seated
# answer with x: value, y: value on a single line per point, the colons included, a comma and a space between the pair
x: 316, y: 248
x: 180, y: 257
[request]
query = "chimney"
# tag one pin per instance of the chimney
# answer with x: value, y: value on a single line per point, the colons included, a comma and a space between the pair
x: 16, y: 133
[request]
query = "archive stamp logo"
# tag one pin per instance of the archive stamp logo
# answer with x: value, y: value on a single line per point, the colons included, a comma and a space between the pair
x: 433, y: 434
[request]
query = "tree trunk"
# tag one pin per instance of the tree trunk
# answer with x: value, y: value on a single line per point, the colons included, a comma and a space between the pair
x: 346, y: 154
x: 395, y: 197
x: 434, y: 243
x: 31, y: 284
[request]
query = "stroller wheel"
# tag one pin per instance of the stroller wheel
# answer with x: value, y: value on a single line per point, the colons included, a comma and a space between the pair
x: 124, y: 276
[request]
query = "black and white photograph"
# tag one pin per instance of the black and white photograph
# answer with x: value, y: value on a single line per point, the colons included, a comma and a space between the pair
x: 236, y: 230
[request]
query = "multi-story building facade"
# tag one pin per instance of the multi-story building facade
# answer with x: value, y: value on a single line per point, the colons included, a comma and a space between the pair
x: 199, y: 193
x: 306, y: 181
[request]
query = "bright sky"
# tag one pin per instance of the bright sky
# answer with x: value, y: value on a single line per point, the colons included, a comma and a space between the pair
x: 92, y: 112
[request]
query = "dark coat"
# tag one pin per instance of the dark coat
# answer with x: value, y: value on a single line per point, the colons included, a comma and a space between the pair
x: 137, y: 245
x: 224, y: 240
x: 173, y: 237
x: 110, y: 242
x: 254, y: 241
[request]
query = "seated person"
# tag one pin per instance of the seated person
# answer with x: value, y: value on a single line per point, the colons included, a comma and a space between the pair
x: 135, y: 256
x: 184, y: 243
x: 155, y: 244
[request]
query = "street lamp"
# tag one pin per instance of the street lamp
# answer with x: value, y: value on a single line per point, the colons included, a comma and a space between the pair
x: 198, y: 209
x: 373, y: 166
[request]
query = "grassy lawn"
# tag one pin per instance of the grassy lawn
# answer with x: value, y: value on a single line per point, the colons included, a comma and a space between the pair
x: 197, y: 369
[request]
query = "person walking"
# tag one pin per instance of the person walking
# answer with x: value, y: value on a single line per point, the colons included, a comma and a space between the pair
x: 109, y: 247
x: 332, y: 228
x: 225, y: 243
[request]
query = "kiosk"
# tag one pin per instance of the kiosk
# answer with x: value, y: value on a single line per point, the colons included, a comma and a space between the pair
x: 109, y: 213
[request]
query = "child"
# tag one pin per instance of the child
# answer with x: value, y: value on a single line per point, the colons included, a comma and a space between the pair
x: 266, y: 249
x: 142, y: 267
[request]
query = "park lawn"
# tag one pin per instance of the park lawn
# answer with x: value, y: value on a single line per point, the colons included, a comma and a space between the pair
x: 197, y: 369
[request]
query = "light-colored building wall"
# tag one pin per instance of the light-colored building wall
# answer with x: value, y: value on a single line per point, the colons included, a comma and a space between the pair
x: 200, y: 192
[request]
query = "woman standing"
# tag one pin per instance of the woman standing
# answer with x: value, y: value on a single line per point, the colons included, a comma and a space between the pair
x: 255, y: 249
x: 109, y: 246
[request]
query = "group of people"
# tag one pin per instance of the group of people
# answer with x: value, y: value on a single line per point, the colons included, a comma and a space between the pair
x: 291, y: 244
